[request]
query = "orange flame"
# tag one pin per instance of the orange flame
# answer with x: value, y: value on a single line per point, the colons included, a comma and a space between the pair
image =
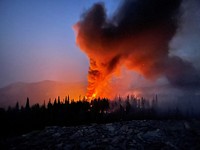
x: 140, y: 44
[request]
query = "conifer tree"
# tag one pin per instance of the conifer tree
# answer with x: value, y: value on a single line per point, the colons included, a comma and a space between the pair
x: 27, y: 104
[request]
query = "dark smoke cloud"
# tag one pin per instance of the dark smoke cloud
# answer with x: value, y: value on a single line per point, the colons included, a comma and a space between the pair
x: 137, y: 36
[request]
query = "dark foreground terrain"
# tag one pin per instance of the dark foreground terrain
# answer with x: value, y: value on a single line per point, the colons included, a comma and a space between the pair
x: 137, y: 134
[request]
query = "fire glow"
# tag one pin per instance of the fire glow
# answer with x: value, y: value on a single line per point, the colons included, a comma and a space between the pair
x: 137, y: 37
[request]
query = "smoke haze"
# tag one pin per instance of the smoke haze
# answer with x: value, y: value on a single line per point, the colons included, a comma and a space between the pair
x: 138, y: 37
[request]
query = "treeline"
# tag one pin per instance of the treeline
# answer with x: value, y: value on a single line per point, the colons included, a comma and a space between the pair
x: 18, y: 120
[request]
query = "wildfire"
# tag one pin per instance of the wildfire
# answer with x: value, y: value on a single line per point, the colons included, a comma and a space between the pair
x: 94, y: 95
x: 137, y: 38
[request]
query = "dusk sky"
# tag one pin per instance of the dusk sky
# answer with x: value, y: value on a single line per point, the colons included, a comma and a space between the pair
x: 37, y: 40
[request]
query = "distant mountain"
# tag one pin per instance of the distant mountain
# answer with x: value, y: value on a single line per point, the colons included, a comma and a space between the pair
x: 40, y: 91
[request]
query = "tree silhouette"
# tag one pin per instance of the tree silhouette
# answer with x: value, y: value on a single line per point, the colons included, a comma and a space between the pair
x: 49, y: 105
x: 128, y: 106
x: 17, y: 106
x: 27, y: 106
x: 71, y: 112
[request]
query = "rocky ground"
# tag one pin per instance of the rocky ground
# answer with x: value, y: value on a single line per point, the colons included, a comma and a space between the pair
x: 137, y: 134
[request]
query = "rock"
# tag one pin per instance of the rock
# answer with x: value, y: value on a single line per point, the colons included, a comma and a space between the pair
x: 83, y: 145
x: 77, y: 134
x: 187, y: 126
x: 171, y: 145
x: 67, y: 147
x: 124, y: 128
x: 137, y: 134
x: 117, y: 139
x: 57, y: 134
x: 152, y: 136
x: 59, y: 146
x: 130, y: 131
x: 110, y: 127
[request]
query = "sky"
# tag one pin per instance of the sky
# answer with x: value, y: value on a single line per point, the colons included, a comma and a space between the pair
x: 37, y: 40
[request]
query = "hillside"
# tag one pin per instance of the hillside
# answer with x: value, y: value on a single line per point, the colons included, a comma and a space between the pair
x: 39, y: 91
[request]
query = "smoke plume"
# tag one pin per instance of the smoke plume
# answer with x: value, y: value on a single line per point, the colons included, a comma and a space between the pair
x: 137, y: 37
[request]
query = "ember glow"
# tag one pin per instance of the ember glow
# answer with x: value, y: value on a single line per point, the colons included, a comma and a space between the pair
x: 137, y: 37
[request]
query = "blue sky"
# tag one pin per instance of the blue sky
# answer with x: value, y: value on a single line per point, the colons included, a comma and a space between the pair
x: 37, y: 41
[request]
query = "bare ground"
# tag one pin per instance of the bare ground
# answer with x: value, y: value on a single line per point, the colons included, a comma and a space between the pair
x: 136, y: 134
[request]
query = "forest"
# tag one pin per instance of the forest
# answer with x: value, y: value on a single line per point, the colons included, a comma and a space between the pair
x: 21, y: 119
